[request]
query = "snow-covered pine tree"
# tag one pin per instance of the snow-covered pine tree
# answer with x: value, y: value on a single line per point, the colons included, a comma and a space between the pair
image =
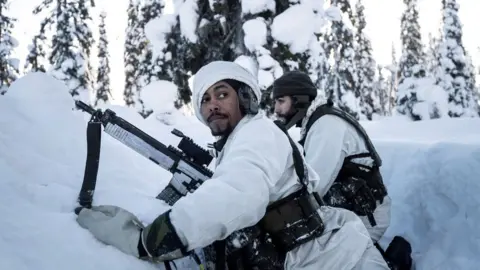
x: 411, y: 60
x: 150, y: 67
x: 132, y: 53
x: 71, y: 43
x: 381, y: 88
x: 83, y: 22
x: 200, y: 32
x: 343, y: 80
x: 8, y: 65
x: 36, y: 53
x: 102, y: 89
x: 432, y: 55
x: 454, y: 64
x: 305, y: 50
x: 182, y: 57
x: 365, y: 64
x: 263, y: 50
x: 218, y: 31
x: 392, y: 80
x: 178, y: 50
x: 37, y: 50
x: 272, y: 44
x: 473, y: 98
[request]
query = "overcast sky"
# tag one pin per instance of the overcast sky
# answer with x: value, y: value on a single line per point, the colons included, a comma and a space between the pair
x: 383, y: 27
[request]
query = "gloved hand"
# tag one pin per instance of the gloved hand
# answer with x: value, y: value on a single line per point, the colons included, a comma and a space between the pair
x: 114, y: 226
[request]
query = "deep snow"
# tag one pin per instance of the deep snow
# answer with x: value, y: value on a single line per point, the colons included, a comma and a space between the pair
x: 431, y: 169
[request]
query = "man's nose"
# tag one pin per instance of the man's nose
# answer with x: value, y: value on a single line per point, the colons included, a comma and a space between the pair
x: 277, y: 108
x: 213, y: 105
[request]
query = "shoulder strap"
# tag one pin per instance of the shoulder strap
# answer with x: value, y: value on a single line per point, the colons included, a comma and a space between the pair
x: 300, y: 168
x: 330, y: 109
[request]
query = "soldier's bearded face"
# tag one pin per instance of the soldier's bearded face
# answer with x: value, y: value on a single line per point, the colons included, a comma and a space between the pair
x: 284, y: 108
x: 220, y: 108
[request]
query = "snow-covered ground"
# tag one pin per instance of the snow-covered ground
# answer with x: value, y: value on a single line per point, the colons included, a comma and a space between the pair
x: 431, y: 169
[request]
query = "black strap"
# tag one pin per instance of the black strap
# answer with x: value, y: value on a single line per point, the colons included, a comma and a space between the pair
x: 330, y: 109
x: 94, y: 136
x: 220, y: 255
x: 300, y: 168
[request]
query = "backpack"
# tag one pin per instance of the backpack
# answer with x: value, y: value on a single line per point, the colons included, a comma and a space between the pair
x: 357, y: 187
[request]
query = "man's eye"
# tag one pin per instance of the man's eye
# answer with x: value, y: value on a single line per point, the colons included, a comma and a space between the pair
x: 222, y: 95
x: 205, y: 99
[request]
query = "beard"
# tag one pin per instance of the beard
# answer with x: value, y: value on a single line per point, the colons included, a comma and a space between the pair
x: 221, y: 131
x: 284, y: 118
x: 221, y: 126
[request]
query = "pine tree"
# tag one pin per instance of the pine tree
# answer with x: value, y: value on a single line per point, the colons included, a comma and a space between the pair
x: 454, y: 66
x: 269, y: 55
x: 216, y: 36
x: 71, y: 43
x: 220, y: 30
x: 343, y: 80
x: 132, y: 54
x: 8, y: 65
x: 103, y: 91
x: 180, y: 52
x: 365, y: 64
x: 410, y: 65
x: 84, y: 38
x: 182, y: 59
x: 381, y: 87
x: 156, y: 64
x: 150, y: 66
x: 473, y: 98
x: 392, y: 81
x: 37, y: 51
x: 432, y: 58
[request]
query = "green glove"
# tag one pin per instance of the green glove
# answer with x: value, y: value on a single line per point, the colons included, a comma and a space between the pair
x: 116, y: 226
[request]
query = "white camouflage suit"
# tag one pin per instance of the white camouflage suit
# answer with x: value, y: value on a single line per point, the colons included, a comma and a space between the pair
x: 329, y: 140
x: 254, y: 169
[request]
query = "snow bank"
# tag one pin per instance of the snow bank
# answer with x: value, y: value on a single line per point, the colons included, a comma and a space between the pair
x: 431, y: 170
x: 42, y: 159
x: 434, y: 188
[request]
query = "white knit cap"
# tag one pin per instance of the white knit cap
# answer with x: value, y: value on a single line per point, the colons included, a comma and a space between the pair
x: 217, y: 71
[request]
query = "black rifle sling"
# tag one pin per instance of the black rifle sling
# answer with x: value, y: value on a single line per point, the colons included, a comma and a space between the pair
x: 300, y: 168
x: 329, y: 109
x: 94, y: 136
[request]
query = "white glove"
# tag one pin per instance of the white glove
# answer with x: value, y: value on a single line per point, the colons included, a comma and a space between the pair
x: 112, y: 225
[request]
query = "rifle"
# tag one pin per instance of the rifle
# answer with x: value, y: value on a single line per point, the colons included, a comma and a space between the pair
x: 188, y: 163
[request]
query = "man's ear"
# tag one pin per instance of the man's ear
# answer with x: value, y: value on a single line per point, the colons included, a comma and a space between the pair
x: 247, y: 100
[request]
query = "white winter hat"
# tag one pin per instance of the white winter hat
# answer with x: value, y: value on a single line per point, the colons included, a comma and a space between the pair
x: 217, y: 71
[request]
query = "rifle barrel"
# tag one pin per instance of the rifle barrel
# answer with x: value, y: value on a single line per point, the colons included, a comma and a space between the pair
x: 84, y: 107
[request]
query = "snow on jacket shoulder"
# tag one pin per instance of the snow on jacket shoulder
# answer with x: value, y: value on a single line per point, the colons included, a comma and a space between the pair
x: 256, y: 168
